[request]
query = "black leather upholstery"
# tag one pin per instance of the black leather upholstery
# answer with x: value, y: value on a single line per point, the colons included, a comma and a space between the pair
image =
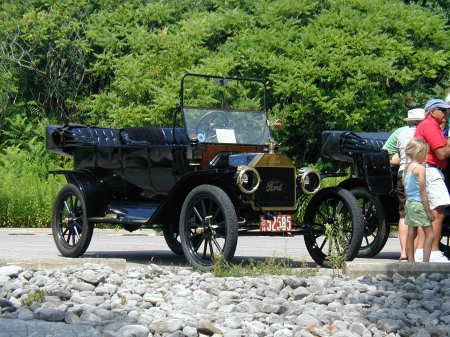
x: 154, y: 136
x: 91, y: 136
x: 80, y: 135
x: 142, y: 135
x: 340, y: 145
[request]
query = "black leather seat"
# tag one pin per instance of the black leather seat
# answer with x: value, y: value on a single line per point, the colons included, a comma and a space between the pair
x: 143, y: 135
x: 91, y: 136
x: 154, y: 136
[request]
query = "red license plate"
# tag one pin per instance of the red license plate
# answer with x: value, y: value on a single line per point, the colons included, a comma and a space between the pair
x: 279, y: 223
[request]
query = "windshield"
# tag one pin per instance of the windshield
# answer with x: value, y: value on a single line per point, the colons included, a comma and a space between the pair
x: 224, y: 110
x: 226, y: 126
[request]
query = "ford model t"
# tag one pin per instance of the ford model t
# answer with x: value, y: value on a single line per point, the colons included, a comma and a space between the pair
x: 210, y: 176
x: 373, y: 183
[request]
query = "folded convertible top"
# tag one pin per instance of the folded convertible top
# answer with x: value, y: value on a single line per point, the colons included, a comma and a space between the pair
x: 341, y: 145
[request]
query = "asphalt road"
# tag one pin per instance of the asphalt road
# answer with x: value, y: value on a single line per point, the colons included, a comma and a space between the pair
x: 145, y: 246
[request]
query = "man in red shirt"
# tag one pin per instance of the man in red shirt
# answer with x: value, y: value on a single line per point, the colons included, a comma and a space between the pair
x: 430, y: 130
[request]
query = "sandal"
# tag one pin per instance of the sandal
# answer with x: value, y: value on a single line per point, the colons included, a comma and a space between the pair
x: 403, y: 259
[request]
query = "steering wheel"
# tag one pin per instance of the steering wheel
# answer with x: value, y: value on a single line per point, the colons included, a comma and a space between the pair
x: 209, y: 118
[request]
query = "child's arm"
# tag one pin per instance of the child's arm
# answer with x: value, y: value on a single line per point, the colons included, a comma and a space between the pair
x: 420, y: 172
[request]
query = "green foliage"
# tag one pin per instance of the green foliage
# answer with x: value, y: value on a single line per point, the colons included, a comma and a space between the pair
x: 7, y: 89
x: 36, y: 296
x: 357, y: 60
x: 26, y: 191
x: 440, y: 5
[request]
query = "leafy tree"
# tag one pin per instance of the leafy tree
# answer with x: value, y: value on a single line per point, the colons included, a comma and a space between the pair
x: 329, y: 64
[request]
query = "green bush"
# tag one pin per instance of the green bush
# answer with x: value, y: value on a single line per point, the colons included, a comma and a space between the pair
x: 26, y: 189
x: 26, y: 193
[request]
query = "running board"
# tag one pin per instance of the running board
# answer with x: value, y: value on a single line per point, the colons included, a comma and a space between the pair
x: 126, y: 213
x: 112, y: 221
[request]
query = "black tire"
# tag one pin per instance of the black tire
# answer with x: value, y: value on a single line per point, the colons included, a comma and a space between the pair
x: 376, y: 230
x: 337, y: 207
x: 172, y: 237
x: 208, y: 227
x: 71, y: 231
x: 444, y: 244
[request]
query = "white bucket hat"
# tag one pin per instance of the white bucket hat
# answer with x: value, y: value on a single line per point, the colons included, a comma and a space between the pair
x: 416, y: 114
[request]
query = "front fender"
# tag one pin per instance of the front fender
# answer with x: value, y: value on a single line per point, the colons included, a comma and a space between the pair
x: 168, y: 212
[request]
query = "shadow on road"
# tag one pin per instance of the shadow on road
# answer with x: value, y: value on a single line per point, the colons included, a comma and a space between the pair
x: 166, y: 258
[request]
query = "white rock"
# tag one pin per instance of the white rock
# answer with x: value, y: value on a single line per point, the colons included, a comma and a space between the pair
x: 133, y: 331
x: 10, y: 271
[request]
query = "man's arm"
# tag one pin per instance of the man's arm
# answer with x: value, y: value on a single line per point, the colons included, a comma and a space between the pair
x: 391, y: 143
x: 395, y: 159
x: 442, y: 152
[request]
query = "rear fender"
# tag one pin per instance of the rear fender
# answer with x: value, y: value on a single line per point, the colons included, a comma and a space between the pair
x: 169, y: 211
x: 389, y: 201
x: 92, y: 190
x: 352, y: 183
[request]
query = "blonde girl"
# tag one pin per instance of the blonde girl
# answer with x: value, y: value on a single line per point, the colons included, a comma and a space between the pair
x: 417, y: 207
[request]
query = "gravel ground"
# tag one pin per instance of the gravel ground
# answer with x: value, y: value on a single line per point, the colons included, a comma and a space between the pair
x: 149, y: 301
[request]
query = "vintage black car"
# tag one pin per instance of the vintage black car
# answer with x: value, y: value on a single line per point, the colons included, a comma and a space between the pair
x: 213, y: 174
x: 373, y: 182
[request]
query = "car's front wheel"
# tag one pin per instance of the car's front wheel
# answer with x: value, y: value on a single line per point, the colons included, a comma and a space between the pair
x: 71, y: 231
x: 335, y: 226
x: 208, y: 227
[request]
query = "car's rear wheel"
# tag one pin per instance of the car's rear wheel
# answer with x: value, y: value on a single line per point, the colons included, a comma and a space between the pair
x: 71, y: 231
x: 208, y: 227
x: 334, y: 226
x: 376, y: 231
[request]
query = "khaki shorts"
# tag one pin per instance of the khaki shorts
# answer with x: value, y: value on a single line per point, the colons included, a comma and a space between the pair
x: 436, y: 189
x: 415, y: 214
x: 401, y: 194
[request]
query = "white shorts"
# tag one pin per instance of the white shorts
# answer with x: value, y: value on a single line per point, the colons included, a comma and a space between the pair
x: 436, y: 189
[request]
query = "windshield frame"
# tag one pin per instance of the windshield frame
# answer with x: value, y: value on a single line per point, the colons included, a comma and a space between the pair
x: 222, y: 80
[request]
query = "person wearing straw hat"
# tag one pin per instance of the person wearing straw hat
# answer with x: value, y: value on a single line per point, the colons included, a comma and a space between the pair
x: 429, y: 129
x: 414, y: 117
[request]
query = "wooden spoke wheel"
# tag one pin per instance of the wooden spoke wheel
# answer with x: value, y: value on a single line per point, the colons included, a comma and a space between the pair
x: 71, y: 231
x: 172, y: 237
x: 208, y: 227
x: 376, y: 231
x: 333, y: 209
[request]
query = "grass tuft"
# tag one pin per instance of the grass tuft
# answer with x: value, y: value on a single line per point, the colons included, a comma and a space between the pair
x: 272, y: 266
x: 36, y: 296
x: 338, y: 246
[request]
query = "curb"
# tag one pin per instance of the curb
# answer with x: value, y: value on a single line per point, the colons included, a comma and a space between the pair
x: 61, y: 262
x: 387, y: 267
x: 109, y: 232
